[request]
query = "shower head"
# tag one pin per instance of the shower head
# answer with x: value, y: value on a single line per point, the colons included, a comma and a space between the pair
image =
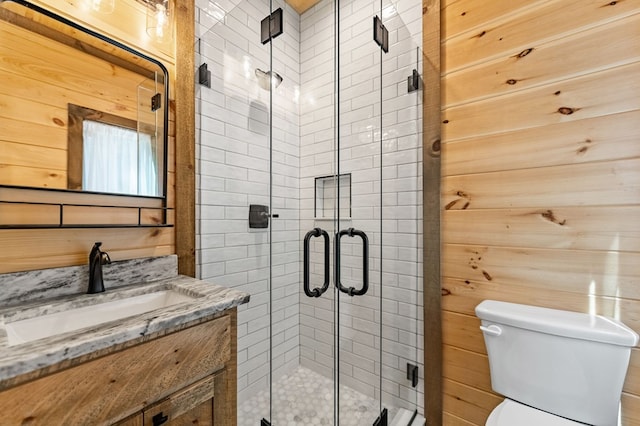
x: 268, y: 77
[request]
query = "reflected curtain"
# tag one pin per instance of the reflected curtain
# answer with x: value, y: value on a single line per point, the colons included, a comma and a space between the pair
x: 118, y: 160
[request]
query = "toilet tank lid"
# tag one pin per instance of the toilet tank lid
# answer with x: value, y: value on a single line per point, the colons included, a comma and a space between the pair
x: 561, y: 323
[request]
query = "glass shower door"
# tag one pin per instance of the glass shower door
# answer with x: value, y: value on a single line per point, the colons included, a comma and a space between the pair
x: 302, y: 157
x: 401, y: 213
x: 358, y: 239
x: 306, y: 393
x: 379, y: 271
x: 240, y: 244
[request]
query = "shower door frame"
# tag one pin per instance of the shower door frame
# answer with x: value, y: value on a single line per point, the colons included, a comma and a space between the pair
x: 185, y: 222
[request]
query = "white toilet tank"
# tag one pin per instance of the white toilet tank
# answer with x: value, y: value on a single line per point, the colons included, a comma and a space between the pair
x: 566, y: 363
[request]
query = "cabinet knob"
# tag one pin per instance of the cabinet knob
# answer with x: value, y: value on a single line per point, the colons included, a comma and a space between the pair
x: 159, y: 419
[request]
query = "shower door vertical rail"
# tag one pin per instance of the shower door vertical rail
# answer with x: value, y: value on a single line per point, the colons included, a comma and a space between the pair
x: 270, y: 288
x: 271, y: 88
x: 301, y: 336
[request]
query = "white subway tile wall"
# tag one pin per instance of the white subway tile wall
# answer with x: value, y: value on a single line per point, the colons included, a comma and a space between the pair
x: 233, y: 172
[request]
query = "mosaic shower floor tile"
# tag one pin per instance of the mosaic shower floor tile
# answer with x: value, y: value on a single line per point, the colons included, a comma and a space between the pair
x: 304, y: 397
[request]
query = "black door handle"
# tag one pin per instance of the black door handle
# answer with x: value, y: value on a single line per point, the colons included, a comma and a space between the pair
x: 316, y: 292
x: 351, y: 291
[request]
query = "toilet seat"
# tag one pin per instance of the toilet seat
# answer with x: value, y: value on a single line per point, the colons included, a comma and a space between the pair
x: 510, y: 413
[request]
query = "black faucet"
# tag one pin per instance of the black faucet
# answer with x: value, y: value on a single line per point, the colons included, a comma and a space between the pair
x: 97, y: 258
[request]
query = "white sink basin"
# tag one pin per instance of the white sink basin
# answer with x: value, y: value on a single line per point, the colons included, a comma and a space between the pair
x: 49, y: 325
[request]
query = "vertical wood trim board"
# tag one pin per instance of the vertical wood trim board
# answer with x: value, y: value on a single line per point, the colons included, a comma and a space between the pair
x: 185, y: 139
x: 433, y: 394
x: 540, y: 176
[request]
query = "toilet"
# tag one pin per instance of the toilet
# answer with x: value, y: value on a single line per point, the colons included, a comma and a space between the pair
x: 555, y: 368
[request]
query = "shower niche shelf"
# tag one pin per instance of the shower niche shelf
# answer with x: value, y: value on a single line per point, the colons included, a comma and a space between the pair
x: 330, y: 192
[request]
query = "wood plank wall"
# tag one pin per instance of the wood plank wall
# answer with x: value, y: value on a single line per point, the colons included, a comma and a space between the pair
x: 540, y: 174
x: 22, y: 250
x: 38, y: 158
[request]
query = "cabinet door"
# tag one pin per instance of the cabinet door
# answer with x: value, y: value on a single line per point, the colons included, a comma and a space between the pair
x: 189, y: 406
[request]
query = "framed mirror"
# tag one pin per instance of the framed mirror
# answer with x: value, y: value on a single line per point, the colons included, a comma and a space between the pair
x: 78, y: 110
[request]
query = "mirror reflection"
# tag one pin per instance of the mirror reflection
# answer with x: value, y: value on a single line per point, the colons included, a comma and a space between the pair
x: 78, y: 112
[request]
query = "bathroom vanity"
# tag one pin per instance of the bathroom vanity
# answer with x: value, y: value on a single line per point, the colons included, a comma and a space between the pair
x: 174, y: 364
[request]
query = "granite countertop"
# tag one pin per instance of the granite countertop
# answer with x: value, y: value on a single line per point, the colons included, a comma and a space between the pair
x: 25, y: 361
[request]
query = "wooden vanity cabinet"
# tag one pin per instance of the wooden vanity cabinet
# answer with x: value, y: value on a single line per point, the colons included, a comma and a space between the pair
x: 183, y: 378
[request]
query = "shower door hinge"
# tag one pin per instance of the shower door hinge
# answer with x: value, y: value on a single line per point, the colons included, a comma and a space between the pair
x: 413, y: 81
x: 271, y: 26
x: 156, y: 102
x: 412, y: 374
x: 380, y: 34
x: 382, y: 419
x: 204, y: 75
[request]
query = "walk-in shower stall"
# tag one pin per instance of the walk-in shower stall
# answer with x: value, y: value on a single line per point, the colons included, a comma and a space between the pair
x: 309, y: 192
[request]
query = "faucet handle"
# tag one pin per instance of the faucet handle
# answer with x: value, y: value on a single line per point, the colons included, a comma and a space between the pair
x: 104, y: 258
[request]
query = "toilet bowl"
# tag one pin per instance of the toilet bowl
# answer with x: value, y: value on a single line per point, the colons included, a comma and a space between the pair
x: 556, y: 368
x: 512, y: 413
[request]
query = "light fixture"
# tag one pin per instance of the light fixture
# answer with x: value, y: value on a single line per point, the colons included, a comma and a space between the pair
x: 160, y: 20
x: 268, y: 77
